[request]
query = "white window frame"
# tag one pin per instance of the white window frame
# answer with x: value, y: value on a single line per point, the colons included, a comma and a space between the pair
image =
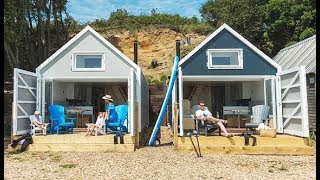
x: 74, y: 61
x: 238, y: 66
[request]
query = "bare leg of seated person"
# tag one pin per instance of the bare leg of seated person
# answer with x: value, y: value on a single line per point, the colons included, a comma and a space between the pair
x: 90, y: 130
x: 220, y: 123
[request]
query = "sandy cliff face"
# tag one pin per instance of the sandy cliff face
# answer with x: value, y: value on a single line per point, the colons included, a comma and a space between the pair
x: 156, y: 45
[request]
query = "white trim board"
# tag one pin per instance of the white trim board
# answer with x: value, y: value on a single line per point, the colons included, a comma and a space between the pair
x: 237, y: 35
x: 89, y: 79
x: 225, y: 78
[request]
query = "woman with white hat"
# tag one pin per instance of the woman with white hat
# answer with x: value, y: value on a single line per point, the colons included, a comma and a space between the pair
x: 111, y: 113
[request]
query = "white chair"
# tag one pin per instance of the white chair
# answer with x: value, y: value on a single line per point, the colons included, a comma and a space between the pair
x: 37, y: 130
x: 260, y: 114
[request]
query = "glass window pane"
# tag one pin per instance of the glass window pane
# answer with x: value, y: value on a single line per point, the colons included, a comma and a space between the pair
x: 89, y: 61
x: 225, y: 58
x: 221, y: 60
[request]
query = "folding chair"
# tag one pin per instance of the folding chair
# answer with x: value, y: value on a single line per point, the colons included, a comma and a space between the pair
x: 204, y: 125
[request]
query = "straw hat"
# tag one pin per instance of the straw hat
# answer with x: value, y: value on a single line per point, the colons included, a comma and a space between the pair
x: 108, y: 97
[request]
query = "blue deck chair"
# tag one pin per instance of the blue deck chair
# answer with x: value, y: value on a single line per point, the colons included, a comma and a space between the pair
x: 58, y: 120
x: 260, y: 114
x: 117, y: 125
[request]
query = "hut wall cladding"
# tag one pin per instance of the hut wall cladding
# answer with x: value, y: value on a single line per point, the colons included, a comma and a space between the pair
x: 312, y: 107
x: 156, y: 97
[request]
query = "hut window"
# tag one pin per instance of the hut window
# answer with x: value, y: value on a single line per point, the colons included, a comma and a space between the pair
x: 88, y: 62
x: 225, y: 59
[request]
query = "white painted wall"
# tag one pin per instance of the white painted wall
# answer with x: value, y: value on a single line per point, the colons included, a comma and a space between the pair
x: 257, y: 91
x: 61, y: 91
x: 89, y: 95
x: 227, y: 91
x: 246, y: 90
x: 253, y: 89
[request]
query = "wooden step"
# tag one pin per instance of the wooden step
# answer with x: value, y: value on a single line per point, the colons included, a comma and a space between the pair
x: 78, y: 142
x: 67, y: 147
x: 282, y: 144
x: 280, y: 140
x: 72, y: 147
x: 80, y: 138
x: 298, y: 150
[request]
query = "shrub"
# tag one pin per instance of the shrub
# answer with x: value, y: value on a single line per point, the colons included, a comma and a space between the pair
x: 72, y: 165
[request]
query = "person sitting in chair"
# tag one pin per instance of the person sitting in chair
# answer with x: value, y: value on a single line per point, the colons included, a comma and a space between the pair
x: 111, y: 113
x: 99, y: 123
x: 205, y: 114
x: 37, y: 120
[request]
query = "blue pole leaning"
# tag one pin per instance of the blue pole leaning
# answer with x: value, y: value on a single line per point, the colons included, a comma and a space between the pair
x: 165, y: 103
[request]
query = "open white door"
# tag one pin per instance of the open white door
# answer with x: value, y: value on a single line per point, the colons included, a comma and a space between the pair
x: 25, y: 99
x: 270, y: 99
x: 294, y: 101
x: 46, y: 98
x: 131, y: 103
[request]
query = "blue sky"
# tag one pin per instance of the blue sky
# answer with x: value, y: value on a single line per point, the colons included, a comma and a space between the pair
x: 89, y: 10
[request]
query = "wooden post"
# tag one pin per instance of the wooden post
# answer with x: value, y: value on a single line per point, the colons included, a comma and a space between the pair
x: 136, y: 122
x: 175, y: 125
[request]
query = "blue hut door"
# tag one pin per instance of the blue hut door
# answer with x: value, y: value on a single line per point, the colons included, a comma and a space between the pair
x: 25, y: 99
x: 293, y: 99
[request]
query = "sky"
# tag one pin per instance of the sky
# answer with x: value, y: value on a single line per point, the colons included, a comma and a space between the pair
x: 89, y: 10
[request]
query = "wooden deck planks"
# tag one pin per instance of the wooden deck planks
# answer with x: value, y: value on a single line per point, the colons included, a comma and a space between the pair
x: 282, y: 144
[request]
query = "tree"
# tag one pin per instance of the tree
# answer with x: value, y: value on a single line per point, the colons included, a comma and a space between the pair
x: 245, y: 16
x: 288, y: 21
x: 118, y: 18
x: 269, y: 25
x: 29, y: 35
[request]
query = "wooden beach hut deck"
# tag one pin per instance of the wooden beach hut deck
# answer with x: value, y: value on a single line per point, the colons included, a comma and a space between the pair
x: 282, y: 144
x: 213, y: 144
x: 78, y: 142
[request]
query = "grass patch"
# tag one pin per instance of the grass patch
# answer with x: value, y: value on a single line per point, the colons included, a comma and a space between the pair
x: 55, y: 157
x: 68, y: 166
x: 282, y: 168
x: 18, y: 159
x: 34, y: 154
x: 154, y: 80
x: 18, y: 151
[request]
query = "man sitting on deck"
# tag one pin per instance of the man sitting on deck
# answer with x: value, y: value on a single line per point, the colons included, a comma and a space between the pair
x: 205, y: 114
